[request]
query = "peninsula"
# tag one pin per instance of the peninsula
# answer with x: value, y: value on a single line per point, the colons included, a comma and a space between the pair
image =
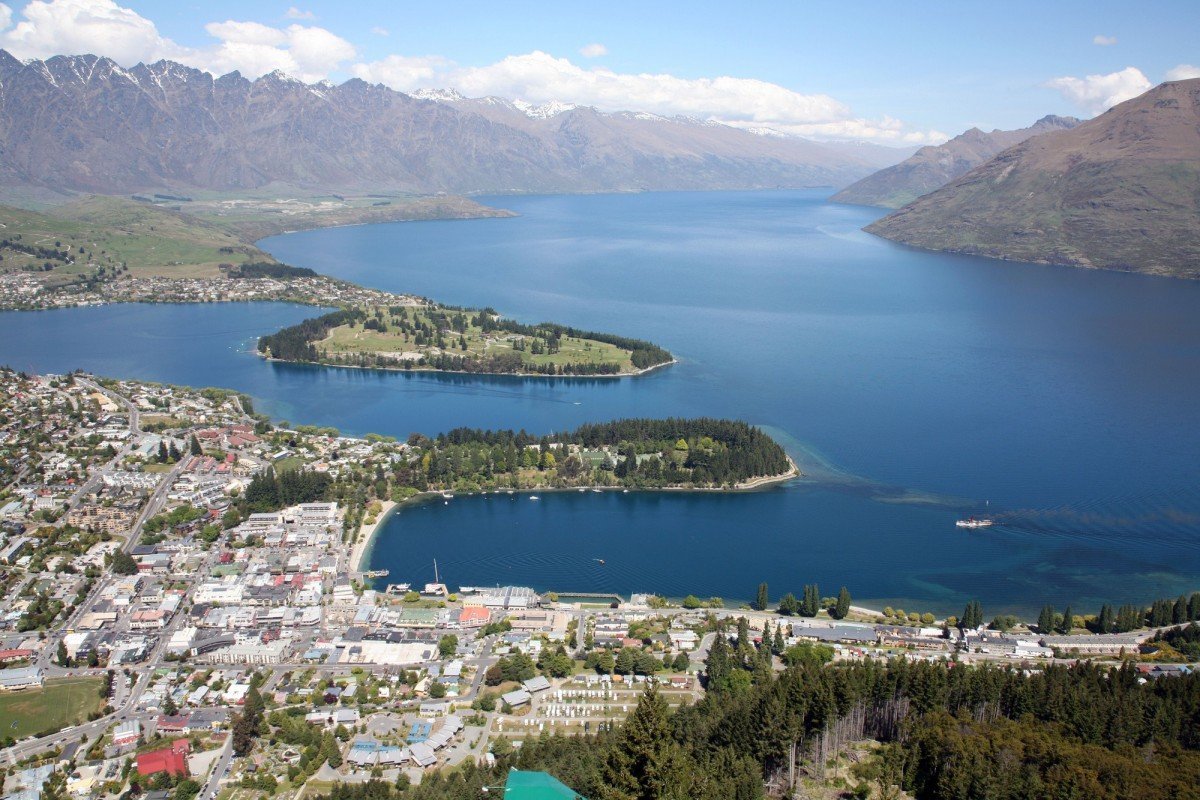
x: 174, y: 249
x: 420, y: 335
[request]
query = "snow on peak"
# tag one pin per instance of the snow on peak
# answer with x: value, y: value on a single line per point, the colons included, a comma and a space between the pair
x: 439, y: 95
x: 769, y: 132
x: 544, y: 111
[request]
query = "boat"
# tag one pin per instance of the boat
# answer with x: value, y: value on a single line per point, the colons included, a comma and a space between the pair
x: 599, y: 561
x: 448, y: 495
x: 597, y: 491
x: 534, y: 497
x: 972, y: 522
x: 624, y: 491
x: 583, y: 490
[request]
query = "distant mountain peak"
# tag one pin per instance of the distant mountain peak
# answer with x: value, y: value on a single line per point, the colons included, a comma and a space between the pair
x: 934, y: 166
x: 545, y: 110
x: 1115, y: 192
x: 439, y: 95
x: 84, y: 123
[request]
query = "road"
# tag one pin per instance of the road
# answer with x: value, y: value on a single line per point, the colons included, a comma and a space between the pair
x: 220, y: 769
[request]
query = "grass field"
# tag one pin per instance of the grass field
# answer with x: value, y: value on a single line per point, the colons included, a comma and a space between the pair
x: 58, y: 704
x: 149, y: 240
x: 395, y: 342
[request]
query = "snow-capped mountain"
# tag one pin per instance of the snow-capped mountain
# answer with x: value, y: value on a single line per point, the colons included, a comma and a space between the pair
x: 86, y: 123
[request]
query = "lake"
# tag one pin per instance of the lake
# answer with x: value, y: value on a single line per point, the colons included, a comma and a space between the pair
x: 911, y: 387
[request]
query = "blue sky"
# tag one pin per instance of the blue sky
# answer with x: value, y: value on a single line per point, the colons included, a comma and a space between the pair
x: 884, y: 71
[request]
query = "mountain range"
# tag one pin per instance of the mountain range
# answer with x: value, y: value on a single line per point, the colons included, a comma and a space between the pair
x: 1120, y: 191
x: 84, y: 123
x: 934, y: 166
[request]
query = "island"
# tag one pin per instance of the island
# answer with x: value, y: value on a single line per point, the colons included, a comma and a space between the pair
x: 174, y: 249
x: 416, y: 334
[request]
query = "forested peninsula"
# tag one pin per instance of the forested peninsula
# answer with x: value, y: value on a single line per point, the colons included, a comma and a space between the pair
x: 697, y: 453
x: 445, y: 338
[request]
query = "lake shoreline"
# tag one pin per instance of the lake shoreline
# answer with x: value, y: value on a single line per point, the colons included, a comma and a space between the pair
x: 363, y: 547
x: 435, y: 371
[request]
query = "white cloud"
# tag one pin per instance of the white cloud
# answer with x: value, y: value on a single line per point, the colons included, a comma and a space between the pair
x: 1097, y: 93
x: 295, y: 13
x: 45, y: 28
x: 307, y: 53
x: 403, y: 72
x: 593, y: 50
x: 538, y: 78
x: 1183, y: 72
x: 1104, y: 41
x: 51, y: 27
x: 378, y: 31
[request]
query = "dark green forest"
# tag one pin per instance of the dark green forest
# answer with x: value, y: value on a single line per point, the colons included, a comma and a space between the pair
x: 635, y: 453
x: 948, y: 732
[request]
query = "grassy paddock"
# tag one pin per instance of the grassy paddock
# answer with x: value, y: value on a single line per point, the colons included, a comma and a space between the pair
x: 59, y: 704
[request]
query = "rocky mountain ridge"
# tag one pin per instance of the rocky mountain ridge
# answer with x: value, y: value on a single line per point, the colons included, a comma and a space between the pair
x: 84, y: 123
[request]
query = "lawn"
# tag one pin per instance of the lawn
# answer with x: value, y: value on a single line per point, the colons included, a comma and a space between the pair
x: 59, y: 704
x: 572, y: 350
x: 112, y: 231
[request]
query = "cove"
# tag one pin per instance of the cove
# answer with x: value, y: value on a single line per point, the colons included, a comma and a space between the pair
x: 911, y: 387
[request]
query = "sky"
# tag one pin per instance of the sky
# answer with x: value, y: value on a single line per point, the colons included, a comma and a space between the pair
x: 886, y: 72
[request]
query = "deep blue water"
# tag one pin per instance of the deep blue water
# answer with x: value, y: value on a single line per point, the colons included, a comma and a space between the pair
x: 910, y: 386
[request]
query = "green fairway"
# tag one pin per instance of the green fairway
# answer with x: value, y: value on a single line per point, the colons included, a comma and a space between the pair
x: 400, y: 341
x: 59, y: 704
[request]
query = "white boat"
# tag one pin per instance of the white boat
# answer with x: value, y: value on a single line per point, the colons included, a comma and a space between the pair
x: 534, y: 497
x: 597, y: 491
x: 972, y: 522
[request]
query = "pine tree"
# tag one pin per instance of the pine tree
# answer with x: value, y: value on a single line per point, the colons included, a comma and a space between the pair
x: 718, y: 667
x: 972, y: 616
x: 812, y: 600
x: 173, y: 452
x: 647, y: 763
x: 1106, y: 623
x: 745, y: 648
x: 194, y: 446
x: 789, y: 605
x: 163, y: 455
x: 1194, y: 607
x: 1179, y: 614
x: 1046, y: 619
x: 762, y: 602
x: 1068, y: 621
x: 779, y: 645
x: 842, y: 607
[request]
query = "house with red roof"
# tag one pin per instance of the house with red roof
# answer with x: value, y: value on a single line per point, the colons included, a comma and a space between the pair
x: 171, y: 760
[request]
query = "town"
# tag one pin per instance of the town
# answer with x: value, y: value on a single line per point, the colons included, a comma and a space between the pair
x: 184, y: 610
x: 28, y: 291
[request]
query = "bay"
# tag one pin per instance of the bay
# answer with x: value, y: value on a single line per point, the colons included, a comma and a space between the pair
x: 912, y: 387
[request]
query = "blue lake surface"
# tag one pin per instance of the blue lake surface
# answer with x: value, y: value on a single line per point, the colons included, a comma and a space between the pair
x: 912, y: 388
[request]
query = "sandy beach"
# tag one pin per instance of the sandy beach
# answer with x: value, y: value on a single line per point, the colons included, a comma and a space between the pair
x: 366, y: 533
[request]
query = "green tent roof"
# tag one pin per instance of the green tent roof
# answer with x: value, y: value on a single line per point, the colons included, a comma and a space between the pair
x: 537, y: 786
